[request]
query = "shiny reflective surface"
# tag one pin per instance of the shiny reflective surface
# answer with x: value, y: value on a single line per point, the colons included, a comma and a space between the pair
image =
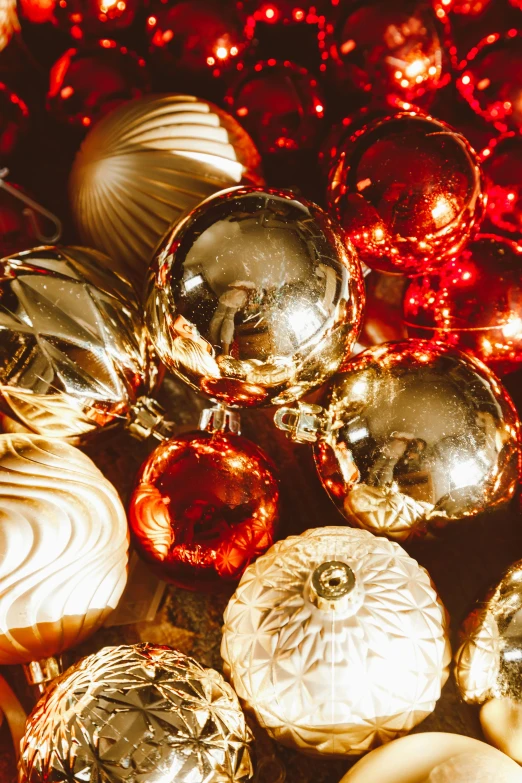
x: 254, y: 298
x: 474, y: 303
x: 391, y: 49
x: 408, y: 190
x: 491, y: 80
x: 204, y: 506
x: 99, y: 18
x: 418, y: 436
x: 502, y: 166
x: 74, y: 356
x: 142, y: 713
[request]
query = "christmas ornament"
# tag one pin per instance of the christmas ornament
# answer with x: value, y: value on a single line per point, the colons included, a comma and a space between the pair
x: 63, y: 548
x: 14, y: 116
x: 74, y: 356
x: 336, y: 640
x: 196, y: 38
x: 408, y: 191
x: 488, y: 663
x: 37, y: 11
x: 502, y: 166
x: 149, y: 162
x: 382, y: 320
x: 490, y: 80
x: 466, y: 7
x: 145, y: 712
x: 393, y: 50
x: 412, y: 436
x: 279, y: 104
x: 94, y: 18
x: 254, y: 298
x: 85, y: 84
x: 205, y: 504
x: 9, y: 24
x: 435, y: 757
x: 473, y: 303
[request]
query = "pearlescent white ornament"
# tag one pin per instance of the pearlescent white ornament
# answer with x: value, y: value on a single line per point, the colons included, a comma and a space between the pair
x: 336, y: 640
x: 63, y: 547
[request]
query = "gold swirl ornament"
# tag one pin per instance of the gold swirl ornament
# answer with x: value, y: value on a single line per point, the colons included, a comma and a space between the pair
x: 149, y: 162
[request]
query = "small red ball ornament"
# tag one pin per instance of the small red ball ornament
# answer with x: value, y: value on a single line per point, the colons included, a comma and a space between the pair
x: 94, y: 18
x: 409, y: 192
x: 37, y: 11
x: 393, y: 50
x: 280, y: 105
x: 274, y: 12
x: 491, y: 80
x: 205, y: 504
x: 474, y: 303
x: 86, y: 84
x: 502, y: 165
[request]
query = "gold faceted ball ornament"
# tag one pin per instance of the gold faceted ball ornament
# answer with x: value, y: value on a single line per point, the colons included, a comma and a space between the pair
x: 146, y: 164
x: 63, y: 548
x: 336, y: 640
x: 435, y: 757
x: 254, y: 298
x: 143, y: 714
x: 488, y: 664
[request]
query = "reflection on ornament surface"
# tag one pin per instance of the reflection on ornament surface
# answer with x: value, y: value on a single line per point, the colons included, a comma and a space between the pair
x: 502, y: 166
x: 474, y: 303
x: 255, y: 297
x: 144, y: 711
x: 204, y: 506
x: 94, y: 18
x: 417, y: 435
x: 336, y: 640
x: 409, y: 192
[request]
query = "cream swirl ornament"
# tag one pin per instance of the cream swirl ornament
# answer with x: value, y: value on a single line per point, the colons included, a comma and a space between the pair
x: 336, y: 640
x: 147, y: 163
x: 63, y: 548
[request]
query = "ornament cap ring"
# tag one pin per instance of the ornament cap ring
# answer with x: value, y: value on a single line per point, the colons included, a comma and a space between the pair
x: 332, y: 586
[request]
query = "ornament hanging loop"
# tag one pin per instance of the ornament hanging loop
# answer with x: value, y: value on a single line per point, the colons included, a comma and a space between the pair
x: 303, y: 424
x: 220, y: 419
x: 40, y: 673
x: 32, y: 208
x: 147, y: 420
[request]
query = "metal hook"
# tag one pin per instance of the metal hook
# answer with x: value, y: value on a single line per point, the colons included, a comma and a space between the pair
x: 32, y: 207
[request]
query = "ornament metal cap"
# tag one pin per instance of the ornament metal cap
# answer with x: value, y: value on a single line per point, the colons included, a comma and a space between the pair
x: 303, y: 423
x: 333, y: 587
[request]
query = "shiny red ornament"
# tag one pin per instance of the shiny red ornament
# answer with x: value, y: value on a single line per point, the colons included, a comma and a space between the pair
x: 196, y: 37
x: 274, y: 12
x: 408, y: 190
x: 516, y: 3
x: 94, y: 18
x: 474, y: 303
x: 37, y: 11
x: 280, y: 105
x: 491, y: 80
x: 204, y: 506
x: 85, y: 84
x: 502, y: 166
x: 465, y: 7
x: 14, y: 121
x: 394, y: 50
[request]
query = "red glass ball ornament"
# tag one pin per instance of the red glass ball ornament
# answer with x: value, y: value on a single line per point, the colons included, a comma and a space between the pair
x: 516, y: 3
x: 204, y: 506
x: 94, y: 18
x: 273, y: 12
x: 474, y: 303
x: 409, y: 192
x: 396, y: 50
x: 280, y: 105
x: 85, y: 84
x: 37, y: 11
x: 491, y: 80
x: 502, y: 166
x: 196, y: 37
x: 14, y: 121
x: 465, y: 7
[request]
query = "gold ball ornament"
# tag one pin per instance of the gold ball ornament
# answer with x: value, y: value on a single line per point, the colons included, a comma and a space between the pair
x: 146, y: 164
x: 143, y: 714
x: 435, y: 757
x: 63, y: 548
x: 488, y: 664
x: 336, y: 640
x: 254, y: 298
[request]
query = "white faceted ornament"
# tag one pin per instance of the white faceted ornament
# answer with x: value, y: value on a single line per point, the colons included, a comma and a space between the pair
x: 336, y: 640
x: 63, y: 547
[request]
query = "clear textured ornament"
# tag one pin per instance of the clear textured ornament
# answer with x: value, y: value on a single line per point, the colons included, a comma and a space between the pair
x: 255, y: 297
x: 413, y: 436
x: 336, y: 640
x: 75, y: 358
x: 142, y: 713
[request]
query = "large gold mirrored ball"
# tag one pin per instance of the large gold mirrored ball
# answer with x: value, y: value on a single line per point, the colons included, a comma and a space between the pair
x: 255, y: 297
x: 417, y: 435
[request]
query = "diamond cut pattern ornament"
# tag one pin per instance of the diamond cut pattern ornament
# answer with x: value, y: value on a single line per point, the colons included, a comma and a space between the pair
x: 336, y: 640
x: 142, y: 714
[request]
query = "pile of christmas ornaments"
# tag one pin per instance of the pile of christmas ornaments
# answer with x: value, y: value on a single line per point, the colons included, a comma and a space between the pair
x: 195, y: 247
